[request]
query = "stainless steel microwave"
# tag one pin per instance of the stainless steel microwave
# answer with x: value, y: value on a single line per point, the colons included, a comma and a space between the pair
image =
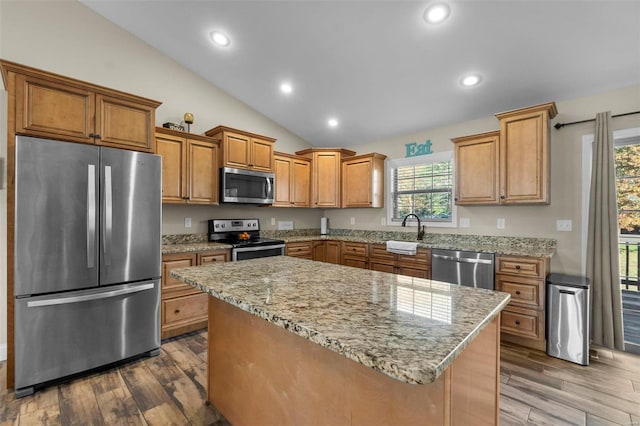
x: 246, y: 186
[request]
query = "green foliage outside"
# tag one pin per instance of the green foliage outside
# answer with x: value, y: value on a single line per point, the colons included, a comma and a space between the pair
x: 628, y: 183
x: 424, y: 190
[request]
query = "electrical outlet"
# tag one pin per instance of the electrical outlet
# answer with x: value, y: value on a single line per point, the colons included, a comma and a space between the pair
x: 564, y: 225
x: 187, y: 222
x: 465, y: 222
x: 273, y: 221
x: 500, y: 223
x: 353, y: 220
x: 383, y: 221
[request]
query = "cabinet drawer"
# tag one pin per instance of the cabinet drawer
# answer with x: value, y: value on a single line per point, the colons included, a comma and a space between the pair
x: 525, y: 292
x: 299, y: 250
x: 523, y: 266
x: 414, y: 272
x: 185, y: 309
x: 382, y: 267
x: 522, y: 322
x: 421, y: 260
x: 355, y: 249
x: 355, y: 261
x: 174, y: 261
x: 378, y: 253
x: 204, y: 258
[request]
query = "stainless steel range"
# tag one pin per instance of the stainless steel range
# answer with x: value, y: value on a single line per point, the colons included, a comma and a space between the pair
x: 244, y: 237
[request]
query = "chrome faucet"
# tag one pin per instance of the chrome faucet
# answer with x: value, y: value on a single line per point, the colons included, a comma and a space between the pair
x: 420, y: 228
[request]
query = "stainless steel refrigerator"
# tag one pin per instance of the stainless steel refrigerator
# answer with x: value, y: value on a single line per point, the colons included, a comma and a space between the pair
x: 87, y: 258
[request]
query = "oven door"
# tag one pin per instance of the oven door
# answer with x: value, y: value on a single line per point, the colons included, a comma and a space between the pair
x: 244, y: 253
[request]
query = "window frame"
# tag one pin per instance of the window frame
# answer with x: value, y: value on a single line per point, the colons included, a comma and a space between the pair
x: 437, y: 157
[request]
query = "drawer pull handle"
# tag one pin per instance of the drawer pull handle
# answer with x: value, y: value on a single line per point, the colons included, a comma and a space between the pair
x: 518, y: 292
x: 517, y: 322
x: 177, y: 311
x: 517, y: 266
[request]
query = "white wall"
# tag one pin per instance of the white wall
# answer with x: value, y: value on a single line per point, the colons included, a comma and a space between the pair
x: 533, y: 221
x: 67, y: 38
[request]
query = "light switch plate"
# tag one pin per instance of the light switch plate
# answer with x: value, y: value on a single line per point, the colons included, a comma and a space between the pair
x: 273, y: 221
x: 465, y: 222
x: 563, y: 225
x: 500, y: 223
x: 353, y: 220
x: 285, y: 225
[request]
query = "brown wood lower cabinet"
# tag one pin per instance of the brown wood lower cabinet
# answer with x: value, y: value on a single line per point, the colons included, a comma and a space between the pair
x: 302, y: 249
x: 418, y: 266
x: 184, y: 308
x: 355, y: 254
x: 523, y: 320
x: 327, y: 251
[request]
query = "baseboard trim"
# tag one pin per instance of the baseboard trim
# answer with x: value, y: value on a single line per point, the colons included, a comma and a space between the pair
x: 3, y: 352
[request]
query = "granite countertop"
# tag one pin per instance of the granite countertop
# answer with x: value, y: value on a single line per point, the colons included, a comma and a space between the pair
x: 410, y: 329
x: 516, y: 248
x: 193, y: 247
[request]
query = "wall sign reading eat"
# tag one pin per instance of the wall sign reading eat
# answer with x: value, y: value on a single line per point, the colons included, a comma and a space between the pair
x: 414, y: 149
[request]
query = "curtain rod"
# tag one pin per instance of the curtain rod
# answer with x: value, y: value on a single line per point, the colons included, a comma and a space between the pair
x: 558, y: 126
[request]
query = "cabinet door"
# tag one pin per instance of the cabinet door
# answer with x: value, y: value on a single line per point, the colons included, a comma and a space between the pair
x: 261, y: 158
x: 284, y: 180
x: 356, y: 183
x: 301, y: 176
x: 301, y: 249
x: 124, y: 124
x: 326, y: 179
x: 333, y: 252
x: 174, y: 261
x: 173, y: 150
x: 477, y: 174
x: 48, y: 109
x: 319, y: 251
x: 524, y: 159
x: 203, y: 173
x: 236, y: 150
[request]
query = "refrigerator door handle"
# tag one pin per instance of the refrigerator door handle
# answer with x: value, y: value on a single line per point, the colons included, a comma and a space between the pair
x: 91, y: 215
x: 89, y: 297
x: 108, y: 215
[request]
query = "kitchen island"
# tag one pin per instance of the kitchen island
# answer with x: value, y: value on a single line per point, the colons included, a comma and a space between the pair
x: 293, y: 341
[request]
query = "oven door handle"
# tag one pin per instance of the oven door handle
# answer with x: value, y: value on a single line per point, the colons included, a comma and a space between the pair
x: 258, y: 248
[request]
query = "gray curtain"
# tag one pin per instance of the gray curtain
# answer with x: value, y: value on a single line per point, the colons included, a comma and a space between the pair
x: 602, y: 251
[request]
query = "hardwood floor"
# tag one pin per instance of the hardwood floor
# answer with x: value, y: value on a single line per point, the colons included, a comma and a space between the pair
x: 171, y: 389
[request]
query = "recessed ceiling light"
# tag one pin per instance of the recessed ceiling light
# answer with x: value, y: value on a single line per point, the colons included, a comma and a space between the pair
x: 220, y: 39
x: 470, y: 80
x: 437, y: 13
x: 286, y: 88
x: 332, y: 122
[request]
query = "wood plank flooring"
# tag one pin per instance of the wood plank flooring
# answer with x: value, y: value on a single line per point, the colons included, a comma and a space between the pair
x: 171, y: 389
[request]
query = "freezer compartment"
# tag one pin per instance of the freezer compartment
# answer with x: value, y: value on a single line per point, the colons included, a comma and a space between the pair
x: 67, y: 333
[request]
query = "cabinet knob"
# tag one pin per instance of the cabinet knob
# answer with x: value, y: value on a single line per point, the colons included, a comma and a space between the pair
x: 177, y: 311
x: 502, y: 197
x: 518, y: 292
x: 517, y: 322
x: 455, y: 199
x: 518, y: 267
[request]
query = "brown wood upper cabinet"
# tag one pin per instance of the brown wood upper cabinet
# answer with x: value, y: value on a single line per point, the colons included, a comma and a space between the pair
x: 189, y: 167
x: 57, y: 107
x: 477, y: 163
x: 510, y: 166
x: 293, y: 175
x: 363, y: 181
x: 244, y: 150
x: 326, y: 170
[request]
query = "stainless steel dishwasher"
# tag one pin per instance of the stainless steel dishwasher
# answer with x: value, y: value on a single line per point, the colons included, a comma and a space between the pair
x: 467, y: 268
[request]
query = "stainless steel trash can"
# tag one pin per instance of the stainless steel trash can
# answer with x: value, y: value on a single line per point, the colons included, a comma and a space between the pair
x: 568, y: 317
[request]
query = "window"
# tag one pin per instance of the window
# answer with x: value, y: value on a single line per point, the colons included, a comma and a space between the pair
x: 423, y: 186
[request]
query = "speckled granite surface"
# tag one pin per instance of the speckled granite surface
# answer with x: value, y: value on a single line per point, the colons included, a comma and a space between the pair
x: 509, y: 246
x: 193, y: 247
x: 410, y: 329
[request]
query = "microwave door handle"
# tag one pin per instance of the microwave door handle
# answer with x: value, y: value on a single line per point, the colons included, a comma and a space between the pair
x: 267, y: 188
